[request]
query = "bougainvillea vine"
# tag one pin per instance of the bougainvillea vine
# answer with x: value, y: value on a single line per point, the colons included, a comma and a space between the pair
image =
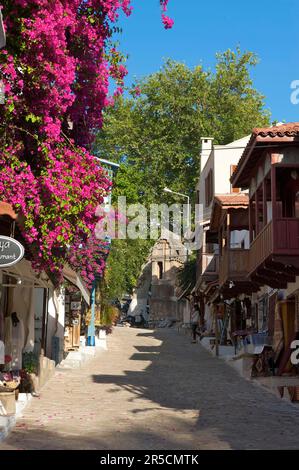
x: 55, y: 70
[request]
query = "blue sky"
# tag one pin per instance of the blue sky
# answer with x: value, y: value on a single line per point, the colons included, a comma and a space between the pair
x: 269, y: 28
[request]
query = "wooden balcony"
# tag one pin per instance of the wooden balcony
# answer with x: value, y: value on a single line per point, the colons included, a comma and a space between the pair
x: 210, y: 264
x: 261, y: 247
x: 278, y: 242
x: 208, y: 267
x: 233, y: 266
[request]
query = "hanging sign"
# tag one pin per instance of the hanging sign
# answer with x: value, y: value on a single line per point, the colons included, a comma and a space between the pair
x: 75, y: 305
x: 11, y: 251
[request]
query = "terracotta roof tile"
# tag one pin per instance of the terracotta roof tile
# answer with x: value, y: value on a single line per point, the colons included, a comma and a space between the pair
x: 291, y: 129
x: 232, y: 199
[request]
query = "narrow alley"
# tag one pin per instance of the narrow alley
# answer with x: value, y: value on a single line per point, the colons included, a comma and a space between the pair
x: 154, y: 390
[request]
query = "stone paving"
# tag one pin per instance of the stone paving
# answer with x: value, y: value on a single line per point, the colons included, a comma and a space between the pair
x: 154, y: 390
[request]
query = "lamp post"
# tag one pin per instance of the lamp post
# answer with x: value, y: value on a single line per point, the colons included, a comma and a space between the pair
x: 167, y: 190
x: 112, y: 168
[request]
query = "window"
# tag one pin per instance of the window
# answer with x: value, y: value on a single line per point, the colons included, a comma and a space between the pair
x: 160, y: 267
x: 232, y: 170
x: 209, y: 188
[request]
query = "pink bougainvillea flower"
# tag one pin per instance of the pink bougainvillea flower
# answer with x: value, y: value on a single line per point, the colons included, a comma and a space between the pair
x: 56, y: 71
x: 168, y: 22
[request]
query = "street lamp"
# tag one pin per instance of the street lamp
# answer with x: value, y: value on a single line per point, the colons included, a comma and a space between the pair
x: 167, y: 190
x: 112, y: 168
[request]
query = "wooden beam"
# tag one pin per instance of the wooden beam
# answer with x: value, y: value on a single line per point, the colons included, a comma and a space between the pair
x: 256, y: 214
x: 265, y: 281
x: 281, y: 262
x: 275, y: 274
x: 250, y: 222
x: 275, y: 139
x: 273, y: 192
x: 265, y: 221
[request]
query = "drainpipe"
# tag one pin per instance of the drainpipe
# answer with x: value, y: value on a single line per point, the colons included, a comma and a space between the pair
x: 44, y: 323
x: 91, y: 326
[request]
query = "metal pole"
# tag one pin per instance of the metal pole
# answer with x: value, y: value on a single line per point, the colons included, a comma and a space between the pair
x: 216, y: 332
x: 47, y: 321
x: 188, y: 223
x: 44, y: 320
x: 91, y: 326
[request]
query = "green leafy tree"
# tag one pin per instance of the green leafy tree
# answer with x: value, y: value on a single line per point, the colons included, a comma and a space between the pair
x: 156, y: 131
x: 124, y: 265
x: 155, y: 134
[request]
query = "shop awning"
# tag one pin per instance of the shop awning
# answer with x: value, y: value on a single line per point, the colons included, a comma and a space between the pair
x: 75, y: 279
x: 26, y: 276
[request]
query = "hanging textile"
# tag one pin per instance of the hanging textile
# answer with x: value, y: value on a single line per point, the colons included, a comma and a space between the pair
x: 271, y: 318
x: 278, y: 342
x: 2, y: 353
x: 7, y: 338
x: 17, y: 345
x: 23, y: 303
x: 1, y: 322
x: 2, y: 303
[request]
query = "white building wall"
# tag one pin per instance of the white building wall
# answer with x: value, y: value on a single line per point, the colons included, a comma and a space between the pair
x: 219, y: 159
x: 56, y: 316
x: 225, y: 157
x: 38, y: 314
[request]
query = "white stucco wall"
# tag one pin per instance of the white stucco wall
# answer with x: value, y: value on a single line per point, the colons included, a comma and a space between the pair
x: 219, y: 160
x: 225, y: 156
x: 56, y: 315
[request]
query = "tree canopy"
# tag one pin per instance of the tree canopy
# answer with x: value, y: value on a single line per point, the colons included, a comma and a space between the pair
x: 155, y: 131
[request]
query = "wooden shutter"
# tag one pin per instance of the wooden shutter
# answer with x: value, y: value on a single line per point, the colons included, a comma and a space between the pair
x: 232, y: 169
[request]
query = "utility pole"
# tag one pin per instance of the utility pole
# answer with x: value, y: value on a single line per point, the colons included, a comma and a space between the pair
x: 167, y: 190
x: 91, y: 327
x: 216, y: 332
x: 111, y: 169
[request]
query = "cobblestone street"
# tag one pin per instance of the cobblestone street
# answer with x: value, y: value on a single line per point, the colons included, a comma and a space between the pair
x: 154, y: 390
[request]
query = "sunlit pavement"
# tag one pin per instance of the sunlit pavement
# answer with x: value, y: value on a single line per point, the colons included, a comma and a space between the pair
x: 154, y: 390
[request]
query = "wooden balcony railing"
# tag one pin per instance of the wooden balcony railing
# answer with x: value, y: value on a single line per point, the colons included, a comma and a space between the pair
x: 278, y: 237
x: 261, y: 247
x: 233, y: 265
x: 210, y: 263
x: 286, y: 236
